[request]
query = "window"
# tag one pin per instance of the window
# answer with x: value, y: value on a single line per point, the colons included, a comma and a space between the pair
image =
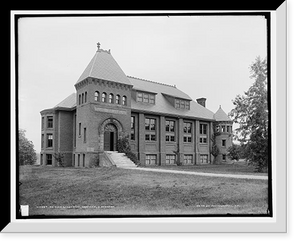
x: 187, y: 132
x: 50, y: 122
x: 139, y: 97
x: 117, y: 99
x: 170, y: 131
x: 223, y: 157
x: 49, y: 140
x: 203, y: 134
x: 182, y: 104
x: 79, y: 101
x: 152, y: 99
x: 124, y: 100
x: 104, y: 97
x: 145, y: 97
x: 43, y: 121
x: 78, y: 159
x: 79, y: 129
x: 187, y: 127
x: 187, y: 105
x: 150, y: 124
x: 150, y: 159
x: 111, y: 98
x: 96, y: 96
x: 42, y: 159
x: 203, y: 140
x: 150, y: 129
x: 223, y: 128
x: 223, y: 142
x: 49, y: 159
x: 83, y: 160
x: 85, y: 97
x: 132, y: 127
x: 203, y: 158
x: 82, y: 97
x: 170, y: 159
x: 84, y: 135
x: 203, y: 129
x: 188, y: 159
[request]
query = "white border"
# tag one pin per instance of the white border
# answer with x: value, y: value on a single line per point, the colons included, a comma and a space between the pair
x: 235, y: 224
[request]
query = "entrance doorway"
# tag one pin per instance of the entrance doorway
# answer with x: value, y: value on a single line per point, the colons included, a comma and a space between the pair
x: 110, y: 138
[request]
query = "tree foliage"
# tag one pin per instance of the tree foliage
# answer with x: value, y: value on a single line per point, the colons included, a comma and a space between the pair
x: 234, y: 152
x: 27, y: 154
x: 251, y: 113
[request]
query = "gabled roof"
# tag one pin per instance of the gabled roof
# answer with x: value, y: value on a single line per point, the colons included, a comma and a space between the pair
x: 162, y: 105
x: 220, y: 115
x: 155, y: 87
x: 103, y: 66
x: 68, y: 102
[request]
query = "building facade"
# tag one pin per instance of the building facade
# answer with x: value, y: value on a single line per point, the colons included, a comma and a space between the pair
x: 164, y: 125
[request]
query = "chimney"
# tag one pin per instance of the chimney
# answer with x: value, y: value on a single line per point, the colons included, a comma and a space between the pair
x: 201, y: 101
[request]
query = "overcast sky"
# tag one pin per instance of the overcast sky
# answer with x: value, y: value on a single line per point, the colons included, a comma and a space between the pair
x: 204, y: 56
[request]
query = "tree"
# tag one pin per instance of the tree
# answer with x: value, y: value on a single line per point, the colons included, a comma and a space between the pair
x: 214, y: 149
x: 234, y: 152
x: 27, y: 154
x: 251, y: 113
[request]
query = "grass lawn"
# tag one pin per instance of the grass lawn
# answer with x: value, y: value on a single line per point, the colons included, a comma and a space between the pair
x: 114, y: 191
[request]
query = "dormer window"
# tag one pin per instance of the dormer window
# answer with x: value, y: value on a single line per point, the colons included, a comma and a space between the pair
x: 145, y: 97
x: 182, y: 104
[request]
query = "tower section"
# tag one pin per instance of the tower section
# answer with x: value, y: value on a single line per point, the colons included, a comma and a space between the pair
x: 222, y: 136
x: 103, y: 109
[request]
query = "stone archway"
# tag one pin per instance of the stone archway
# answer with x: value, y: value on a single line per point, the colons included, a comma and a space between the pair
x: 109, y: 132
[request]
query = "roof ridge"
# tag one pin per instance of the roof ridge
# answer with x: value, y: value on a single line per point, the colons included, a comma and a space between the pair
x: 174, y: 86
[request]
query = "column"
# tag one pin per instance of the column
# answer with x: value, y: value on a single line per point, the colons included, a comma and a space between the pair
x: 196, y: 142
x: 180, y: 140
x: 162, y: 141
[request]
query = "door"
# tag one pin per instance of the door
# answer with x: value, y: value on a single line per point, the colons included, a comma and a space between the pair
x: 107, y: 144
x: 110, y: 138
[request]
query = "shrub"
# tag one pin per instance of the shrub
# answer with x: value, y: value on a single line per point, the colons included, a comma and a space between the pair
x: 59, y: 158
x: 123, y: 146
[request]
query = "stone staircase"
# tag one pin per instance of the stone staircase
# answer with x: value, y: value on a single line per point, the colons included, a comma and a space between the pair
x: 120, y: 159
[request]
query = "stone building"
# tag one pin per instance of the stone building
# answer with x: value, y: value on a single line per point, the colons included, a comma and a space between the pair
x: 164, y: 124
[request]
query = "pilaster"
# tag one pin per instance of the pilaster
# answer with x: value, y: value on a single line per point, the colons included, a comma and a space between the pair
x: 162, y: 140
x: 141, y: 139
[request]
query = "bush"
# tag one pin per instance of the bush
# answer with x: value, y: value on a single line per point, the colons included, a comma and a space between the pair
x: 123, y: 146
x: 59, y: 158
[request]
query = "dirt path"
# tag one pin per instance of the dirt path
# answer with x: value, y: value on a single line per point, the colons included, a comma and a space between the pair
x: 224, y: 175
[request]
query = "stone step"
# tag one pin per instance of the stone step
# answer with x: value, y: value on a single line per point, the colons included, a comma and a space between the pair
x: 120, y: 159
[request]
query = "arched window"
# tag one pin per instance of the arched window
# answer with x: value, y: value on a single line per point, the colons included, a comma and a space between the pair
x: 124, y: 100
x: 79, y: 101
x: 85, y: 97
x: 104, y: 97
x: 96, y: 96
x: 111, y: 98
x: 82, y: 97
x: 117, y: 99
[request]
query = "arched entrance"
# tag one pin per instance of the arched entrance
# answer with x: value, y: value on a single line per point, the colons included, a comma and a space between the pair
x: 110, y: 137
x: 109, y: 132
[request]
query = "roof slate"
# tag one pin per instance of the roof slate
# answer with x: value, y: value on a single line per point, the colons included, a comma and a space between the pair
x: 220, y: 115
x: 68, y: 102
x: 103, y: 66
x: 162, y: 105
